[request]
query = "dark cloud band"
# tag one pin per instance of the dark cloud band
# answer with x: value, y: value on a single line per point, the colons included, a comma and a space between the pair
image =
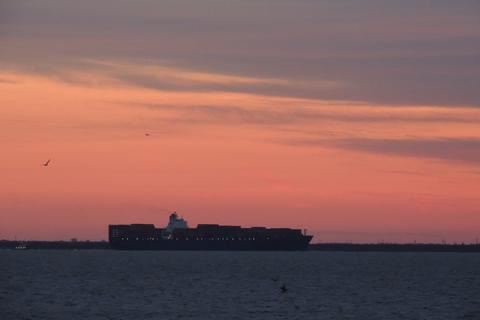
x: 464, y: 150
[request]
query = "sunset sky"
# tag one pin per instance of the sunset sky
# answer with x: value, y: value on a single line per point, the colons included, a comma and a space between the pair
x: 358, y: 120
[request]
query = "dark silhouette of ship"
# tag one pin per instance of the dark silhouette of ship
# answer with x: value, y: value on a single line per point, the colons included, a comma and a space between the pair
x: 178, y: 236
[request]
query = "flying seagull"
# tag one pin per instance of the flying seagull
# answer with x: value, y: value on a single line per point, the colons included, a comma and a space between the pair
x: 46, y: 163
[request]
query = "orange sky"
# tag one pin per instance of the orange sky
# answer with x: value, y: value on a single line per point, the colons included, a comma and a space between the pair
x: 250, y: 148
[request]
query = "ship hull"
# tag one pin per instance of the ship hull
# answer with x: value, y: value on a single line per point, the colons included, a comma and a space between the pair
x: 283, y: 244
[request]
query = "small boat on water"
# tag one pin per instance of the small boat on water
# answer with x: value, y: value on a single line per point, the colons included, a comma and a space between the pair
x: 21, y: 246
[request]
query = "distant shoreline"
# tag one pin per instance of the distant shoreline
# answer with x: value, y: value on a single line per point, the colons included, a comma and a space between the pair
x: 340, y: 247
x: 57, y: 245
x: 394, y: 247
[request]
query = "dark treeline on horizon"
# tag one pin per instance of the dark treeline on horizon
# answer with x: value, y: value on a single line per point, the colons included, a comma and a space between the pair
x: 57, y: 245
x: 395, y: 247
x: 380, y: 247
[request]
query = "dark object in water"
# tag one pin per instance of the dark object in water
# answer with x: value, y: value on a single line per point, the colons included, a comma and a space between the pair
x: 21, y: 246
x: 178, y: 236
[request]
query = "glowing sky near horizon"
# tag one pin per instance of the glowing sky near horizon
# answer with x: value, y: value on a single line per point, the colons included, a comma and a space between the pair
x: 358, y: 120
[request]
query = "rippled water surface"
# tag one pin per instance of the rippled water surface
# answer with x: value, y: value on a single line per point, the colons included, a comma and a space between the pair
x: 51, y: 284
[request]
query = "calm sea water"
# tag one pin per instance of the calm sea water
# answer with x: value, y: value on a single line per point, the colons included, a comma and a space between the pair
x: 50, y: 284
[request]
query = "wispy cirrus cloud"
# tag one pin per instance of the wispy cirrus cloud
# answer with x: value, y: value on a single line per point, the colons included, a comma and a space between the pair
x: 267, y: 110
x: 161, y: 76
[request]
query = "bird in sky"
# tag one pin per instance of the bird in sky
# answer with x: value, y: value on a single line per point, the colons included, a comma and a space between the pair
x: 46, y: 163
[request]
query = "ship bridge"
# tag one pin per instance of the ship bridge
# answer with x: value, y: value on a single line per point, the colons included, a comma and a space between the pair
x: 176, y: 223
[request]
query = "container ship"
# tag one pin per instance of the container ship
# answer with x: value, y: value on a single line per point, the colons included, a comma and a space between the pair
x: 178, y: 236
